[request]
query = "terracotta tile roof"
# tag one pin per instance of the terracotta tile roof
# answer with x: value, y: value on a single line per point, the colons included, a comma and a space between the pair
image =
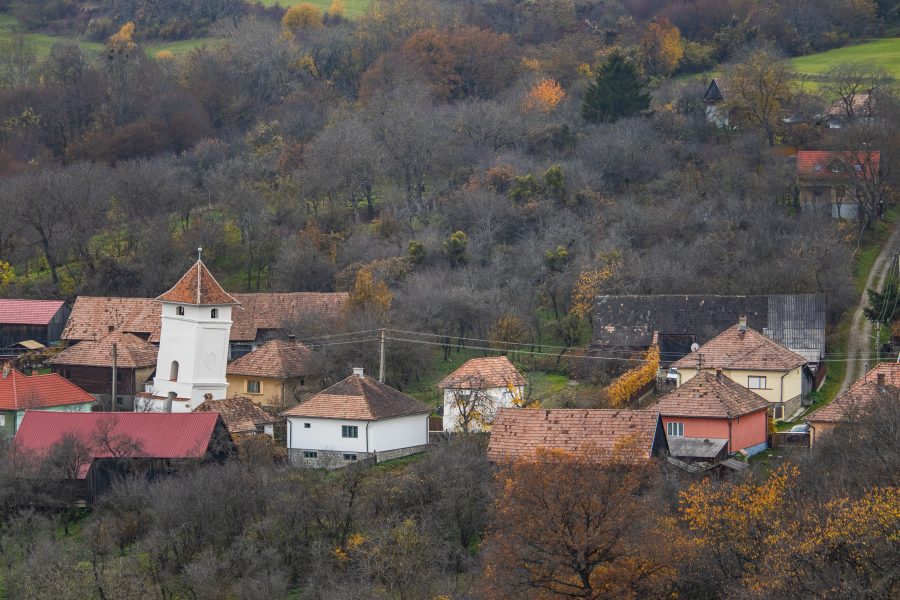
x: 20, y: 392
x: 278, y: 359
x: 817, y: 164
x: 157, y: 435
x: 240, y: 414
x: 131, y: 352
x: 861, y: 393
x: 272, y: 311
x: 627, y: 436
x: 198, y: 286
x: 705, y: 395
x: 93, y: 315
x: 28, y: 312
x: 359, y: 398
x: 490, y: 372
x: 749, y: 350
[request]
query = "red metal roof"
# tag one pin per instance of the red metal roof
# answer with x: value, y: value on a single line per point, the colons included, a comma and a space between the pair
x: 28, y: 312
x: 20, y: 392
x: 146, y: 435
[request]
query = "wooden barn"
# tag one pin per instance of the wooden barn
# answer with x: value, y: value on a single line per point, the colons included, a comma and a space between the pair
x: 41, y: 321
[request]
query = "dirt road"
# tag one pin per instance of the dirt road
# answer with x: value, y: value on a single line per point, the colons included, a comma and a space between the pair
x: 859, y: 344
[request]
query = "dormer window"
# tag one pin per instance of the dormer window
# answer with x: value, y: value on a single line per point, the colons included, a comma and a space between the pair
x: 214, y: 313
x: 179, y: 310
x: 818, y: 167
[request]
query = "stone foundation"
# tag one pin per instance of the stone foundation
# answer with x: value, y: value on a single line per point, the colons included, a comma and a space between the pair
x: 333, y: 459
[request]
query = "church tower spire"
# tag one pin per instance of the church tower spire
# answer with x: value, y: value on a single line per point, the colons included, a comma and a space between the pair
x: 193, y: 342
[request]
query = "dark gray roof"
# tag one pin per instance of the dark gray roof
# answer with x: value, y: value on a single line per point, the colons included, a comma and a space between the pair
x: 686, y: 447
x: 714, y: 92
x: 796, y: 321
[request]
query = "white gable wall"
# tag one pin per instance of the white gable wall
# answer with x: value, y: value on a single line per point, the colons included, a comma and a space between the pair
x: 501, y: 397
x: 399, y: 432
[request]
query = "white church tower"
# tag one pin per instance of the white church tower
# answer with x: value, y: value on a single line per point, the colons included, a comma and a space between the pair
x: 193, y: 342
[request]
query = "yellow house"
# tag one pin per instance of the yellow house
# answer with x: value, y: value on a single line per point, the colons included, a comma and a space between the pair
x: 752, y: 360
x: 275, y: 374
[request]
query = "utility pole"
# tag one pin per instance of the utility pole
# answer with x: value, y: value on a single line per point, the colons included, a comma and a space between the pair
x: 381, y: 360
x: 115, y: 376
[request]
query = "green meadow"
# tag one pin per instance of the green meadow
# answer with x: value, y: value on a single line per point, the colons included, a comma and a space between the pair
x: 883, y: 53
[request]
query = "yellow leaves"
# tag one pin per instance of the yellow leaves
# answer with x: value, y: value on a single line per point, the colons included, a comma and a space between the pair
x: 336, y: 10
x: 589, y: 283
x: 628, y: 384
x: 355, y: 541
x: 121, y: 42
x: 164, y: 55
x: 370, y: 293
x: 544, y: 96
x: 585, y: 72
x: 531, y: 64
x: 508, y: 331
x: 7, y: 274
x: 302, y: 17
x: 662, y: 47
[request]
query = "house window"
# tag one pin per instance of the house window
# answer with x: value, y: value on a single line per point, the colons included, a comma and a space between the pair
x: 756, y: 383
x: 2, y: 420
x: 349, y: 431
x: 778, y: 411
x: 310, y: 454
x: 675, y: 429
x: 349, y: 457
x: 173, y: 371
x: 214, y: 313
x: 253, y: 386
x: 306, y: 426
x: 179, y: 310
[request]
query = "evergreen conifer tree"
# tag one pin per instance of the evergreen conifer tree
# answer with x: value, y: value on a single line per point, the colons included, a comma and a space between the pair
x: 617, y: 92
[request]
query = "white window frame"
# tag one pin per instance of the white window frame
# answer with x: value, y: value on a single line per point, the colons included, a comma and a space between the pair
x: 350, y: 431
x: 760, y: 380
x: 675, y: 429
x: 310, y: 454
x: 258, y: 386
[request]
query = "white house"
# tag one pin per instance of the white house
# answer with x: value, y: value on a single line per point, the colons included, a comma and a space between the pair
x: 475, y: 391
x: 355, y: 419
x: 193, y: 344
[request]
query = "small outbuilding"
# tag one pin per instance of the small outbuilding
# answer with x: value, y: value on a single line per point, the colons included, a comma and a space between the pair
x: 275, y: 374
x: 20, y: 393
x: 241, y: 415
x: 476, y: 390
x: 41, y: 321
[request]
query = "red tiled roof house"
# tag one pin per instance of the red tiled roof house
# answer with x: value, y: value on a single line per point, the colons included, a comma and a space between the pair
x: 715, y: 407
x: 355, y: 419
x: 88, y: 364
x: 883, y: 379
x: 830, y: 181
x: 126, y: 442
x: 476, y: 390
x: 275, y: 374
x: 241, y: 415
x: 630, y: 437
x: 19, y: 393
x: 755, y: 362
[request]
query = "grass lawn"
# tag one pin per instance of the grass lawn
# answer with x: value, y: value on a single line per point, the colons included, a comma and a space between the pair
x: 883, y: 53
x: 42, y: 43
x: 353, y: 9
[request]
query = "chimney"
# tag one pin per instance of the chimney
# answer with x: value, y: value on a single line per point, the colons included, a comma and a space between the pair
x: 880, y: 379
x: 719, y: 375
x: 110, y: 328
x: 742, y: 323
x: 358, y: 371
x: 207, y: 396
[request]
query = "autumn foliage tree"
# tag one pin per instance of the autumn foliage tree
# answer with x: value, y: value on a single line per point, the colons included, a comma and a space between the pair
x: 661, y: 47
x: 630, y: 383
x: 567, y: 528
x: 544, y: 96
x: 758, y: 90
x: 302, y: 17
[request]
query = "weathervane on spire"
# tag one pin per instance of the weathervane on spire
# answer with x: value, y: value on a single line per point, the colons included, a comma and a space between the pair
x: 199, y: 254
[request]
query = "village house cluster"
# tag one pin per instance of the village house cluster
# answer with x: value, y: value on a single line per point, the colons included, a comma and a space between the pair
x: 181, y: 378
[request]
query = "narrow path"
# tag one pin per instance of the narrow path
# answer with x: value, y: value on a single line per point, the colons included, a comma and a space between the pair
x: 861, y: 332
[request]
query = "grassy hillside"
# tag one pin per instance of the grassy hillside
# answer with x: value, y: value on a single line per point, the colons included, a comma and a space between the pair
x: 353, y: 9
x: 879, y: 53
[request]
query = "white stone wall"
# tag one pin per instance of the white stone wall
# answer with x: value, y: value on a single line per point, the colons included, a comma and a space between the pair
x: 325, y: 434
x: 199, y: 344
x: 399, y: 432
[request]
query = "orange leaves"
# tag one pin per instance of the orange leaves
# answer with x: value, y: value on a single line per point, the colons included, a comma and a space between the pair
x: 622, y: 389
x: 301, y: 17
x: 589, y: 284
x: 662, y: 47
x: 121, y: 42
x: 544, y: 96
x: 370, y: 293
